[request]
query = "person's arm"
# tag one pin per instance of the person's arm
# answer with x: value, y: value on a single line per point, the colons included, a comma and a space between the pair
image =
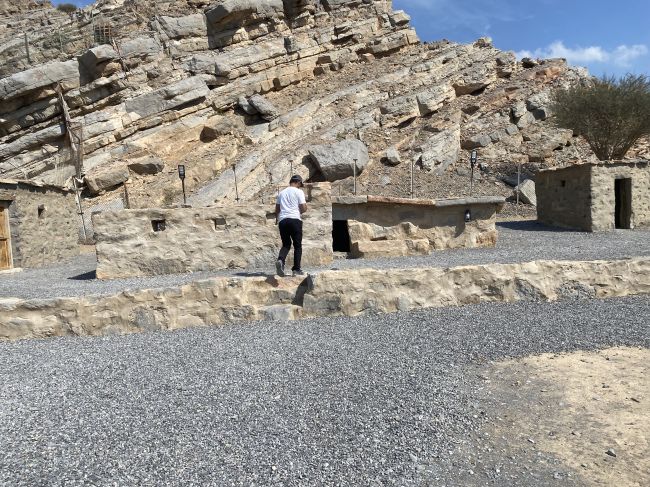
x: 302, y: 203
x: 277, y: 213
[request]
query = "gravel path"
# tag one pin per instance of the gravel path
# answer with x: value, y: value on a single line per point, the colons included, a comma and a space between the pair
x: 373, y: 400
x: 522, y: 241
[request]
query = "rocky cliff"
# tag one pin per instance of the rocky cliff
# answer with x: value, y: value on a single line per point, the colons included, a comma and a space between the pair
x: 127, y: 89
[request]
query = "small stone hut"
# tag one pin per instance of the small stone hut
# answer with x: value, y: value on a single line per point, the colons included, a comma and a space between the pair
x: 595, y: 197
x: 38, y: 224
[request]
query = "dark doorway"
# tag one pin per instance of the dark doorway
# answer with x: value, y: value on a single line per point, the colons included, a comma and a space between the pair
x: 340, y: 236
x: 623, y: 209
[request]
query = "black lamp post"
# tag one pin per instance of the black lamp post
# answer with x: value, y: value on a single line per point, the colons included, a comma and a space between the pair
x: 181, y: 175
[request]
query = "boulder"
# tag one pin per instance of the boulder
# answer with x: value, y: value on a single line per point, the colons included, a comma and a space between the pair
x: 140, y: 47
x: 476, y: 141
x: 99, y: 54
x: 230, y: 13
x: 146, y: 165
x: 101, y: 179
x: 246, y: 106
x: 538, y: 105
x: 19, y: 84
x: 336, y: 161
x: 441, y: 151
x: 219, y: 126
x: 186, y: 26
x: 433, y: 99
x: 527, y: 192
x: 169, y: 97
x: 392, y: 157
x: 267, y: 110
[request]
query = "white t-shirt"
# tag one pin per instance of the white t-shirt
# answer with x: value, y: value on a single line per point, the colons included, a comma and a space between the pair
x: 290, y: 200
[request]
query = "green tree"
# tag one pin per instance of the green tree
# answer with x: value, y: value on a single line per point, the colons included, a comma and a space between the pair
x: 67, y: 7
x: 611, y: 114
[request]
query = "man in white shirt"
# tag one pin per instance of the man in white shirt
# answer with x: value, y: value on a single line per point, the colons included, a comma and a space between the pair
x: 289, y: 207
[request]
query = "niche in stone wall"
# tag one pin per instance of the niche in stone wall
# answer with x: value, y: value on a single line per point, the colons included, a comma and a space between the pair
x: 159, y: 225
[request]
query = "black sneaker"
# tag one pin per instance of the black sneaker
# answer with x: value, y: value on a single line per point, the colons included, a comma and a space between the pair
x: 298, y: 273
x: 279, y: 268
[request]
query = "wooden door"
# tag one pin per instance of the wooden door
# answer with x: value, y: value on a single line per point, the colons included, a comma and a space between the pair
x: 5, y: 239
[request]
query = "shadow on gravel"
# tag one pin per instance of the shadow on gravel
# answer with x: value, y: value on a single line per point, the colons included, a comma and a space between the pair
x: 533, y: 226
x: 86, y: 276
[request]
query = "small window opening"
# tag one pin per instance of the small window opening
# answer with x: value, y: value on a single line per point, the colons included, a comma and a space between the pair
x: 219, y: 223
x: 563, y: 183
x: 340, y: 236
x: 159, y: 225
x: 41, y: 211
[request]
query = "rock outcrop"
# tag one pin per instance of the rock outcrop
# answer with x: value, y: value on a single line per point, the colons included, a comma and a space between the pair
x: 259, y: 83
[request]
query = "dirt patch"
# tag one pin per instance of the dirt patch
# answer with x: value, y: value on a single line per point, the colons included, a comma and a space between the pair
x: 588, y: 410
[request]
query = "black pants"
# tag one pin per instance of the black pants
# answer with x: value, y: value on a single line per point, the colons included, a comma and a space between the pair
x: 291, y: 230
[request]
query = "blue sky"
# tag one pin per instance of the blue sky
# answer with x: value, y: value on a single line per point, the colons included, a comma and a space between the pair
x: 608, y: 37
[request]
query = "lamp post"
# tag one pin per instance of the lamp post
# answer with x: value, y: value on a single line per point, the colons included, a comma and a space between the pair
x: 181, y: 175
x: 473, y: 159
x: 234, y: 171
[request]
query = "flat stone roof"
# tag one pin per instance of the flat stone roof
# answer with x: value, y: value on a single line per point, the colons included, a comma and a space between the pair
x: 583, y: 165
x: 442, y: 203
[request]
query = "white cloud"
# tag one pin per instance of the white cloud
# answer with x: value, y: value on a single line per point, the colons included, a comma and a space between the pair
x: 621, y: 56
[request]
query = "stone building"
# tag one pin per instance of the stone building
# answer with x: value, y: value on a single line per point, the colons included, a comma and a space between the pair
x: 38, y: 224
x: 595, y: 197
x: 375, y: 226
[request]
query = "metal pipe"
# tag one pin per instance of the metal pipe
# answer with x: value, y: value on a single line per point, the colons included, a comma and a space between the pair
x: 471, y: 181
x: 518, y: 183
x: 412, y: 176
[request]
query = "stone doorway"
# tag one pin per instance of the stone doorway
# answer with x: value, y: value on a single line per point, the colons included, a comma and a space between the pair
x: 5, y: 238
x: 340, y: 236
x: 623, y: 207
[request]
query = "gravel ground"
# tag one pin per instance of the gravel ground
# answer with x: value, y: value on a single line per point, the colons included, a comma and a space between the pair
x: 373, y: 400
x: 521, y: 241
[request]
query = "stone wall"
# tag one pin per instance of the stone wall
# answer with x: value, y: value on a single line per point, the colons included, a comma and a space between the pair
x: 395, y: 226
x: 328, y: 293
x: 583, y: 196
x: 603, y: 196
x: 564, y: 197
x: 43, y: 221
x: 212, y: 238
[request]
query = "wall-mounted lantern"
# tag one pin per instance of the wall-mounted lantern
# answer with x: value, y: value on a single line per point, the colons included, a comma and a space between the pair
x: 181, y: 175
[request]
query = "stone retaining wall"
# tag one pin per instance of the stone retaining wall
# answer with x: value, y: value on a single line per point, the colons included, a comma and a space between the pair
x: 328, y: 293
x: 149, y: 242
